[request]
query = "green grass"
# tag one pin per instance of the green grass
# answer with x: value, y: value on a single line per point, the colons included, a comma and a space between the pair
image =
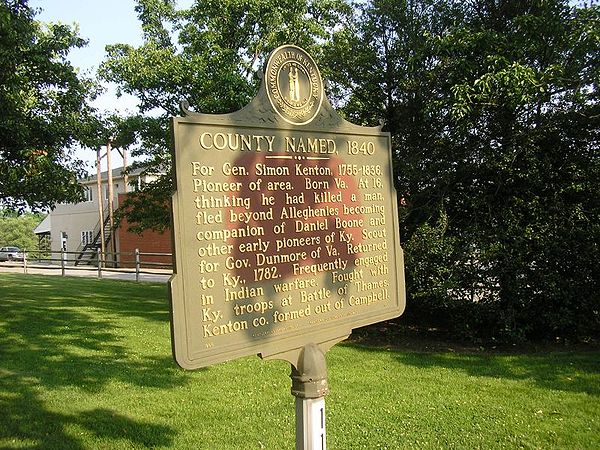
x: 86, y: 364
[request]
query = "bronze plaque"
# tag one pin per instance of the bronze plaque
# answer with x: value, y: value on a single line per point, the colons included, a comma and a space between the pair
x: 285, y: 224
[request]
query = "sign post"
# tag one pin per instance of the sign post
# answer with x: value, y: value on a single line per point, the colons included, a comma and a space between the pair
x: 285, y: 226
x: 309, y: 386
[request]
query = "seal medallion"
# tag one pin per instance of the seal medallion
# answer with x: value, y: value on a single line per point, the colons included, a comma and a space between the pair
x: 294, y: 85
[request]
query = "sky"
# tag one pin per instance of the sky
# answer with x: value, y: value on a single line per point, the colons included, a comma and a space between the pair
x: 101, y: 22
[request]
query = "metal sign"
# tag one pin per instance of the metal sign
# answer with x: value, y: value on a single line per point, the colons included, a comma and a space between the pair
x: 285, y: 224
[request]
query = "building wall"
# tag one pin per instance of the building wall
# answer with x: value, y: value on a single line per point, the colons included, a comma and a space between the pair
x: 73, y: 218
x: 146, y: 242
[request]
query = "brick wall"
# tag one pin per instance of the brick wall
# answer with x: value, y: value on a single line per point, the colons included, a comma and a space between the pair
x: 147, y: 242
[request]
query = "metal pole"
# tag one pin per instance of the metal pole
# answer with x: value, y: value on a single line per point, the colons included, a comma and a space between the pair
x: 309, y: 386
x: 25, y: 261
x: 62, y: 261
x: 310, y: 424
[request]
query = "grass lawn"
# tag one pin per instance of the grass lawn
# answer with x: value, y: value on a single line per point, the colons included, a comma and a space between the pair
x: 86, y: 364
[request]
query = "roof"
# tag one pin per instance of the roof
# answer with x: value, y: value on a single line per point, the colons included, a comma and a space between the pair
x: 116, y: 173
x: 44, y: 226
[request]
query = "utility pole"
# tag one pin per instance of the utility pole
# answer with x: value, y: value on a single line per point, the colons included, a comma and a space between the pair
x: 125, y: 176
x: 111, y: 220
x: 99, y: 193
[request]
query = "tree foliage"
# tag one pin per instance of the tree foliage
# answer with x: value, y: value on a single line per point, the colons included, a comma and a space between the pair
x: 42, y: 101
x: 208, y: 55
x: 17, y: 230
x: 493, y: 107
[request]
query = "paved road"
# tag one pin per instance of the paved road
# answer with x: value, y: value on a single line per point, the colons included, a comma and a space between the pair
x: 152, y: 275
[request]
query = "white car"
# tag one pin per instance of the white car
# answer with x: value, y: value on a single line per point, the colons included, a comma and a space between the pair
x: 11, y: 254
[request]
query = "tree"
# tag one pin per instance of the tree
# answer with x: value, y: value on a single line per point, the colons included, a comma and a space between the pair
x: 17, y: 230
x: 528, y: 113
x: 209, y: 55
x: 493, y: 108
x: 42, y: 103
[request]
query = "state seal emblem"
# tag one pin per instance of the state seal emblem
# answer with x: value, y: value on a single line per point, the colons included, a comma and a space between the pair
x: 294, y: 85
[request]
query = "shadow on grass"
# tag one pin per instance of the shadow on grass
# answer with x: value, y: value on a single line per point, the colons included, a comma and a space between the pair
x: 577, y: 372
x: 27, y: 423
x: 74, y: 333
x: 106, y: 423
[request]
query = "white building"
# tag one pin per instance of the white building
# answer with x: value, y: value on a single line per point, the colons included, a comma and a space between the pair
x: 76, y: 227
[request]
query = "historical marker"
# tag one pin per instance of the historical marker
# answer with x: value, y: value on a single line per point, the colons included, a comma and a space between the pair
x: 285, y: 223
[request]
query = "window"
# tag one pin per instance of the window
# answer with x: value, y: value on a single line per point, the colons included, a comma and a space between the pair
x: 87, y: 194
x: 86, y: 237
